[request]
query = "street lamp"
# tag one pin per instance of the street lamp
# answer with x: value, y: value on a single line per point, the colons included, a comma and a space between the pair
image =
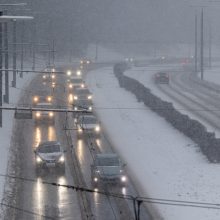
x: 4, y: 19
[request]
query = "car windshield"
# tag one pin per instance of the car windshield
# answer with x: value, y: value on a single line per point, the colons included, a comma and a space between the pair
x: 110, y: 161
x: 162, y: 74
x: 82, y: 91
x: 44, y: 106
x: 84, y: 102
x: 76, y: 81
x: 49, y: 149
x: 88, y: 120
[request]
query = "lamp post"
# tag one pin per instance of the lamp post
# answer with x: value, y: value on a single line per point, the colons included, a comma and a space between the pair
x: 4, y: 19
x: 202, y: 45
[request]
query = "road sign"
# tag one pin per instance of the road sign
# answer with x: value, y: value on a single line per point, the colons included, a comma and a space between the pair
x: 23, y: 114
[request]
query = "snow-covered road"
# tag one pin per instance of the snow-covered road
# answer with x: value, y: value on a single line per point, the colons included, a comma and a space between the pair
x: 164, y: 163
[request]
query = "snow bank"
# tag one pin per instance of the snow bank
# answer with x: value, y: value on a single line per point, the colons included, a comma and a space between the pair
x: 8, y: 118
x: 165, y: 163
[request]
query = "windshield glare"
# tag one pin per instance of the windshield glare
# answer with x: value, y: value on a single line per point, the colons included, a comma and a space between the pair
x: 89, y: 120
x: 113, y: 161
x: 49, y: 149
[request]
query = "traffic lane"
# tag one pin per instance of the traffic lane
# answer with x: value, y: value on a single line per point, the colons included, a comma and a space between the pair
x: 104, y: 145
x: 103, y: 206
x: 38, y: 197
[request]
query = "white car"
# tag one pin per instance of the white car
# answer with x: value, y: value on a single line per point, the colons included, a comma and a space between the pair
x: 87, y: 124
x: 49, y: 154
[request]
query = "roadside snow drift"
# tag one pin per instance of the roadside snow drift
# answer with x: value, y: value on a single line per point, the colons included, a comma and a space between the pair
x: 163, y: 162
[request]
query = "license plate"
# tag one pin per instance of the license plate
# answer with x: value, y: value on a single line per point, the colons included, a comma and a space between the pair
x: 51, y: 164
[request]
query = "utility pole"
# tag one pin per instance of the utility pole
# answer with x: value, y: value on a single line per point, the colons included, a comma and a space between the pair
x: 1, y: 73
x: 33, y: 45
x: 6, y: 95
x: 201, y: 50
x: 210, y: 45
x: 96, y: 51
x: 22, y: 49
x: 196, y: 46
x: 53, y: 52
x: 14, y: 54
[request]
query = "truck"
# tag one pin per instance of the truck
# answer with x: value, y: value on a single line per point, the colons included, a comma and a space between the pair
x: 107, y: 168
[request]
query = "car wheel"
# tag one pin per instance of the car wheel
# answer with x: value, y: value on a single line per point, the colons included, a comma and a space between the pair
x: 38, y: 171
x: 79, y: 135
x: 62, y: 169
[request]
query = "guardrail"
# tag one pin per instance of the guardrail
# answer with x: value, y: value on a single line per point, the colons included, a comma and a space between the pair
x: 197, y: 132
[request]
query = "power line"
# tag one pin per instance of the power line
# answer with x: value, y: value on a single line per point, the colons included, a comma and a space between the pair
x: 127, y: 197
x: 26, y: 211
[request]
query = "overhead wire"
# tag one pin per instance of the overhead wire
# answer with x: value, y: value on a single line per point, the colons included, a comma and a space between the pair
x: 173, y: 202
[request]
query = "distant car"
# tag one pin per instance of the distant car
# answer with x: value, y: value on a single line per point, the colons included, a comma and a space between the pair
x: 46, y: 116
x: 75, y: 82
x: 85, y: 61
x: 162, y: 78
x: 41, y: 98
x: 48, y: 77
x: 49, y: 154
x: 82, y: 94
x: 87, y: 124
x: 85, y: 104
x: 76, y: 73
x: 107, y: 168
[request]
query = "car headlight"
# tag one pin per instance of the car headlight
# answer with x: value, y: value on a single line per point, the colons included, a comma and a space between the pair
x: 36, y: 99
x: 90, y: 108
x: 70, y: 86
x: 68, y: 73
x: 79, y: 130
x: 75, y: 108
x: 49, y: 98
x: 44, y: 76
x: 53, y: 76
x: 89, y: 97
x: 38, y: 114
x: 38, y: 159
x: 75, y: 97
x: 123, y: 178
x: 62, y: 159
x: 95, y: 179
x: 51, y: 114
x: 97, y: 128
x: 78, y: 73
x: 82, y: 85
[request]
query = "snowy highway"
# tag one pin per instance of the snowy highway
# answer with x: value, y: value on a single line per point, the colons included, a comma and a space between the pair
x: 35, y: 200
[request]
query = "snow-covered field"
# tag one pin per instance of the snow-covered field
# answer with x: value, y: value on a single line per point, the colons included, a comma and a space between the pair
x: 164, y: 163
x: 213, y: 75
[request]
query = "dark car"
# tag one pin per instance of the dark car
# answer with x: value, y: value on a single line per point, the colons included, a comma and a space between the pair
x: 162, y: 78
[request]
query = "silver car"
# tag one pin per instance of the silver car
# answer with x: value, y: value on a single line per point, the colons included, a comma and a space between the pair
x: 49, y: 154
x: 87, y: 124
x: 107, y: 168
